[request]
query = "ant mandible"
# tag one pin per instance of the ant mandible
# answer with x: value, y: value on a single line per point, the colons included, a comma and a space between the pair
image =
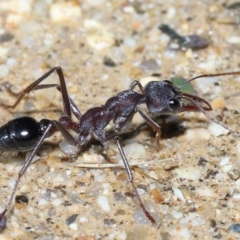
x: 160, y: 97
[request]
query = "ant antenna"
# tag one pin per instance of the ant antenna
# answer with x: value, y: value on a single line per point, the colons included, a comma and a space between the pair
x: 210, y: 75
x: 236, y: 134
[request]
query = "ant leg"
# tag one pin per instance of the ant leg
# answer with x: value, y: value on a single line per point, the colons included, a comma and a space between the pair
x: 130, y: 177
x: 51, y: 128
x: 153, y: 125
x: 66, y: 103
x: 73, y: 107
x: 134, y: 84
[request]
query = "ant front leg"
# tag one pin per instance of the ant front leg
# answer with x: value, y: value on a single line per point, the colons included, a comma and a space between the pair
x: 156, y: 128
x: 66, y: 101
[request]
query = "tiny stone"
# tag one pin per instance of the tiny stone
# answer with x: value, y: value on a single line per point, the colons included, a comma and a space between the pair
x: 202, y: 162
x: 71, y: 219
x: 103, y: 203
x: 119, y: 212
x: 119, y: 197
x: 149, y: 65
x: 109, y: 221
x: 108, y: 62
x: 73, y: 226
x: 42, y: 202
x: 234, y: 174
x: 190, y: 173
x: 57, y: 202
x: 235, y: 227
x: 217, y: 130
x: 21, y: 199
x: 3, y: 70
x: 234, y: 40
x: 6, y: 37
x: 83, y: 219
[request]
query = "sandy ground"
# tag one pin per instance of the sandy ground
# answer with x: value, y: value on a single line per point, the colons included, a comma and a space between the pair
x: 190, y: 184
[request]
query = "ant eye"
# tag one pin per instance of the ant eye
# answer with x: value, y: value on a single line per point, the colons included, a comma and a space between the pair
x: 174, y: 104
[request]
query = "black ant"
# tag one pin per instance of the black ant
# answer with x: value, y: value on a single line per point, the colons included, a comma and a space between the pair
x: 161, y: 98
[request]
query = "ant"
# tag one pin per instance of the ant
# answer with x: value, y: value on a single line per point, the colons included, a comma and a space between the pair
x: 161, y: 98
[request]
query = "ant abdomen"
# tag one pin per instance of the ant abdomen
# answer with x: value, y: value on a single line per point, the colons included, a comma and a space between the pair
x: 20, y: 134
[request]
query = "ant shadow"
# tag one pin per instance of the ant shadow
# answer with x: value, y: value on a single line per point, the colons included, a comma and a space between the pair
x: 171, y: 126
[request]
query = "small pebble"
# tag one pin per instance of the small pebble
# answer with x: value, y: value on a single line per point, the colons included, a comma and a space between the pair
x: 218, y: 103
x: 216, y: 130
x: 94, y: 190
x: 149, y: 65
x: 57, y: 202
x: 190, y: 173
x: 107, y: 61
x: 21, y: 199
x: 205, y: 191
x: 83, y: 220
x: 235, y: 227
x: 4, y: 70
x: 100, y: 41
x: 177, y: 215
x: 42, y: 201
x: 178, y: 193
x: 197, y: 134
x: 64, y: 12
x: 68, y: 148
x: 135, y: 151
x: 103, y: 203
x: 234, y: 40
x: 119, y: 197
x: 71, y: 219
x: 234, y: 174
x: 109, y: 222
x: 73, y: 226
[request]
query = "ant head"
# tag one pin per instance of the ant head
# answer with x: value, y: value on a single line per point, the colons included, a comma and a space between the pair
x: 162, y: 97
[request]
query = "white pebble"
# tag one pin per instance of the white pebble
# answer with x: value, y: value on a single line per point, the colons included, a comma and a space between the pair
x: 131, y: 42
x: 217, y: 130
x: 171, y: 12
x: 67, y: 148
x: 103, y: 203
x: 3, y: 70
x: 178, y: 193
x: 42, y: 201
x: 92, y: 24
x: 101, y: 41
x: 73, y: 226
x: 64, y: 11
x: 177, y: 215
x: 205, y: 191
x: 198, y: 221
x: 11, y: 183
x: 234, y: 40
x: 140, y: 191
x: 224, y: 161
x: 135, y: 150
x: 57, y: 202
x: 83, y: 219
x: 95, y: 2
x: 190, y: 173
x: 197, y: 134
x: 3, y: 52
